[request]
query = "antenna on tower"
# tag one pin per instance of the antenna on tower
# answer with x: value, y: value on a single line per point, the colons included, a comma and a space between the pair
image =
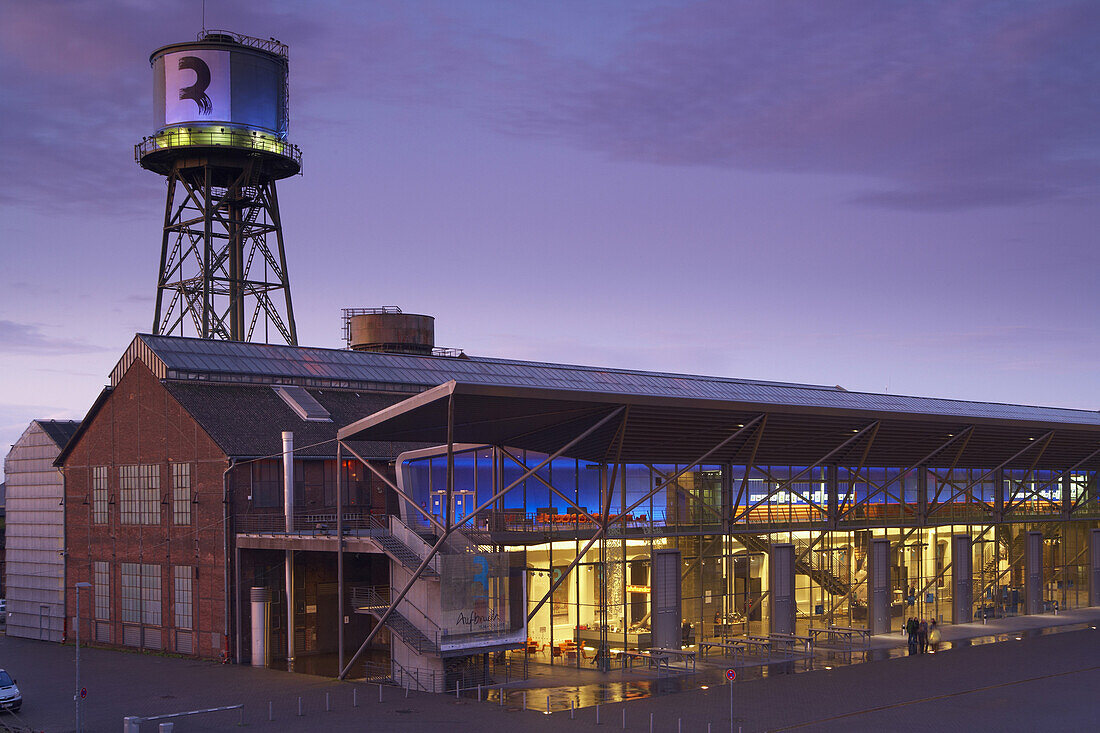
x: 204, y: 16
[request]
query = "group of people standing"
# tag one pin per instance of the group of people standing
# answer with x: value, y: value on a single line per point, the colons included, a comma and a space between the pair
x: 923, y: 635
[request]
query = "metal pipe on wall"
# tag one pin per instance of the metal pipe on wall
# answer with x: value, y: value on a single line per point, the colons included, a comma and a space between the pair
x: 259, y: 598
x: 288, y: 510
x: 339, y: 558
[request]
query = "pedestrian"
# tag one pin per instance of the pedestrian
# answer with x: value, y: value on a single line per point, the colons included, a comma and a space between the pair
x: 922, y: 636
x: 933, y: 636
x: 911, y: 631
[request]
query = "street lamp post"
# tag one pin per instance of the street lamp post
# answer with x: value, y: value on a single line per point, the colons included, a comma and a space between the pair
x: 76, y: 695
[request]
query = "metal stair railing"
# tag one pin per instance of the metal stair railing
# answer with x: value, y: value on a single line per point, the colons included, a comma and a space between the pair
x: 823, y: 577
x: 375, y: 600
x: 382, y: 532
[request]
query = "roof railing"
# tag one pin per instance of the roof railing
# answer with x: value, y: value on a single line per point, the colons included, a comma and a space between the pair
x: 271, y: 45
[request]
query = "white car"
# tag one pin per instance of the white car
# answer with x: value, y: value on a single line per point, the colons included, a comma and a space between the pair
x: 10, y: 696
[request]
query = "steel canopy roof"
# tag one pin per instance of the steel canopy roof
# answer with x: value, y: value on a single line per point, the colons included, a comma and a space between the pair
x: 900, y: 431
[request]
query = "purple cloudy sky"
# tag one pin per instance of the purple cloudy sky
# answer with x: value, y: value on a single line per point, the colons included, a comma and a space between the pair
x: 886, y: 196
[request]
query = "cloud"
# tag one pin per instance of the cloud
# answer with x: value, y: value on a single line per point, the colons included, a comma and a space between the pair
x: 938, y: 106
x: 77, y: 87
x: 22, y: 338
x: 951, y: 105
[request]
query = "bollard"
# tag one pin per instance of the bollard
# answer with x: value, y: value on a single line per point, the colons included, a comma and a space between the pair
x: 547, y: 704
x: 456, y: 691
x: 500, y: 696
x: 708, y: 727
x: 355, y: 697
x: 597, y: 713
x: 651, y: 723
x: 270, y: 711
x: 379, y: 692
x: 328, y: 703
x: 131, y: 724
x: 572, y: 709
x: 679, y: 725
x: 299, y: 707
x: 479, y: 692
x: 525, y: 699
x: 624, y: 717
x: 166, y: 727
x: 406, y: 692
x: 240, y: 720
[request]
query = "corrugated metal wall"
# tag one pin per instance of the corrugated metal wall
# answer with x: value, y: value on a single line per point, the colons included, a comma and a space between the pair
x: 35, y: 527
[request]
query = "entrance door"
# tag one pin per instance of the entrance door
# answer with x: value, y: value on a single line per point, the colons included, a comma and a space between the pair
x: 462, y: 503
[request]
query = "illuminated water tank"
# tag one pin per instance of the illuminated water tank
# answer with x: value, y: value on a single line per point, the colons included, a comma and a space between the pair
x: 223, y: 90
x: 220, y: 124
x: 395, y: 333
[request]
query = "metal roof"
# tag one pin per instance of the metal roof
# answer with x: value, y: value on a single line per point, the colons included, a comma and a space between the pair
x: 177, y: 358
x: 673, y: 430
x: 59, y: 431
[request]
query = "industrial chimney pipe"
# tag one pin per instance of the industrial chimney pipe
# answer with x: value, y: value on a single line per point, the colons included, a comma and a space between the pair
x: 288, y: 510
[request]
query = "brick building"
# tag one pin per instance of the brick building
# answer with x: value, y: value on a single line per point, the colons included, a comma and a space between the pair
x: 791, y: 506
x: 166, y: 464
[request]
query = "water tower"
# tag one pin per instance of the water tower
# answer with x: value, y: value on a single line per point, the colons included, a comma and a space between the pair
x: 221, y: 120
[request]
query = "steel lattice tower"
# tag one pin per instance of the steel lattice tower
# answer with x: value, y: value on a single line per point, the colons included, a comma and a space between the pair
x: 222, y: 146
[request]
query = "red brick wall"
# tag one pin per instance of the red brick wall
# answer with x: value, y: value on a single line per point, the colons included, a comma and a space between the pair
x: 141, y: 423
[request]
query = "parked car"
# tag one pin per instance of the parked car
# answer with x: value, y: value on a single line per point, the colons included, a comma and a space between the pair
x: 10, y: 696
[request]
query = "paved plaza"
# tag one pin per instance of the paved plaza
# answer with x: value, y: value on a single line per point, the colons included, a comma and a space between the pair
x: 1023, y: 674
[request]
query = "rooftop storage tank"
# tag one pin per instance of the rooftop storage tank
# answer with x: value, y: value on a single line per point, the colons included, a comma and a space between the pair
x: 391, y: 331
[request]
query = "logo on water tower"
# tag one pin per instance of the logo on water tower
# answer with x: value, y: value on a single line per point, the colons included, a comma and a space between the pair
x: 197, y: 91
x: 197, y: 86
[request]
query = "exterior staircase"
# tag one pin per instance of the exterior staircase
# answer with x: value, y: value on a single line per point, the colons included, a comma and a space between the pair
x: 398, y: 550
x: 825, y: 578
x: 374, y: 600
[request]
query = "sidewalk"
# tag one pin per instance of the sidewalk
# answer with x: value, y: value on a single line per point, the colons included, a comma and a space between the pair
x: 1046, y: 680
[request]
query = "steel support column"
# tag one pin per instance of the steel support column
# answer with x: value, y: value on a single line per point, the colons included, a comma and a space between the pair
x: 781, y: 585
x: 962, y: 579
x: 1033, y: 572
x: 1094, y: 567
x: 878, y: 586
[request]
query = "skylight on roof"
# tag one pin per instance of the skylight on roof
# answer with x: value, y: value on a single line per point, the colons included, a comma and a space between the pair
x: 303, y: 403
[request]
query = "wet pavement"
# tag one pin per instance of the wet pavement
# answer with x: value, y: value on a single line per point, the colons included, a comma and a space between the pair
x: 561, y: 688
x: 1024, y: 674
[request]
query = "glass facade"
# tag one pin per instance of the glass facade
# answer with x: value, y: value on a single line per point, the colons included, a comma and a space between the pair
x: 723, y: 519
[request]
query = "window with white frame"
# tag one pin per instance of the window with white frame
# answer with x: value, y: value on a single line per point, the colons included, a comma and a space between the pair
x: 99, y: 495
x: 184, y: 616
x: 101, y: 572
x: 140, y: 593
x: 139, y: 494
x: 131, y: 592
x: 181, y: 493
x: 150, y: 595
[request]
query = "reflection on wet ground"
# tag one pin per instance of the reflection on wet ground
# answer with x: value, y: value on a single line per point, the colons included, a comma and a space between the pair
x: 557, y: 689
